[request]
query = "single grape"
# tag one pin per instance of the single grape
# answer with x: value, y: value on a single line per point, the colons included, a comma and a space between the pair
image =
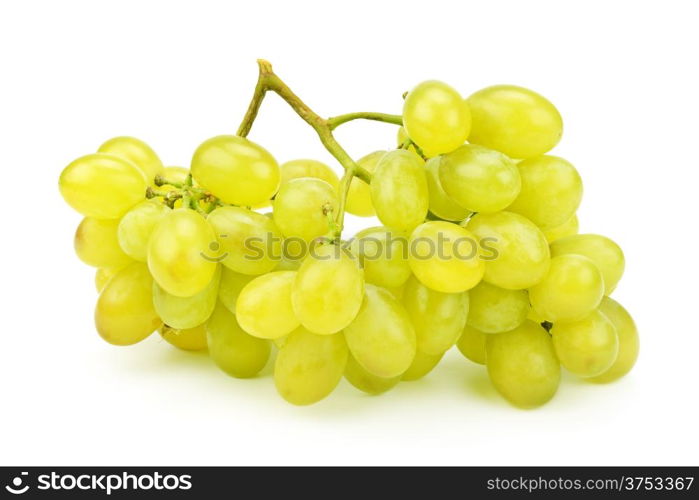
x: 381, y: 337
x: 137, y: 225
x: 190, y: 339
x: 365, y: 381
x: 494, y: 309
x: 422, y: 365
x: 384, y: 256
x: 103, y: 275
x: 102, y: 186
x: 236, y: 170
x: 137, y: 152
x: 174, y: 174
x: 397, y: 291
x: 96, y: 243
x: 186, y: 312
x: 309, y: 366
x: 514, y: 120
x: 436, y: 117
x: 296, y: 169
x: 479, y: 179
x: 231, y: 285
x: 264, y: 306
x: 441, y: 204
x: 359, y: 194
x: 628, y: 341
x: 522, y: 365
x: 301, y: 208
x: 286, y: 263
x: 472, y: 344
x: 568, y: 228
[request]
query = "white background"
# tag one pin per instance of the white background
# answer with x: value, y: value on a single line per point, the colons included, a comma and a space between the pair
x: 72, y: 74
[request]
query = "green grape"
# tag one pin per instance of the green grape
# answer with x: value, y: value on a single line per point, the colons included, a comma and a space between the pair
x: 628, y: 341
x: 137, y: 225
x: 96, y: 243
x: 301, y: 208
x: 516, y: 251
x: 231, y: 285
x: 494, y: 309
x: 328, y: 290
x: 296, y: 169
x: 264, y: 306
x: 479, y: 179
x: 441, y: 204
x: 309, y: 366
x: 571, y: 290
x: 190, y: 339
x: 551, y: 191
x: 438, y: 317
x: 103, y: 275
x: 606, y: 255
x: 249, y: 243
x: 179, y: 253
x: 436, y: 117
x: 568, y: 228
x: 522, y: 365
x: 399, y: 190
x: 381, y: 337
x: 286, y: 263
x: 514, y: 120
x: 137, y: 152
x: 236, y: 170
x: 534, y: 316
x: 235, y: 352
x: 359, y: 194
x: 102, y: 186
x: 422, y: 365
x: 186, y: 312
x: 401, y: 137
x: 445, y: 257
x: 472, y: 344
x: 397, y: 291
x: 125, y: 314
x: 587, y: 347
x: 174, y: 174
x: 384, y: 256
x: 365, y: 381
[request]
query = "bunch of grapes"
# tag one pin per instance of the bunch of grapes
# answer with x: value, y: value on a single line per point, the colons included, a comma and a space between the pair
x: 477, y: 247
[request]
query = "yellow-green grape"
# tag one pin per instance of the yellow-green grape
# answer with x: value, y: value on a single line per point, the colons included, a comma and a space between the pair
x: 514, y: 120
x: 472, y: 344
x: 174, y: 174
x: 445, y: 257
x: 186, y: 312
x: 236, y: 170
x: 235, y: 352
x: 399, y: 190
x: 359, y: 194
x: 479, y: 179
x: 381, y: 337
x: 397, y: 291
x: 125, y: 314
x: 568, y: 228
x: 522, y: 365
x: 440, y: 203
x: 301, y: 208
x: 179, y: 253
x: 296, y: 169
x: 551, y: 191
x: 384, y: 256
x: 248, y: 242
x: 436, y: 117
x: 286, y: 263
x: 96, y: 243
x: 365, y: 381
x: 190, y: 339
x: 422, y: 365
x: 137, y: 152
x: 102, y: 186
x: 438, y: 317
x: 309, y: 366
x: 401, y: 137
x: 264, y: 306
x: 494, y: 309
x: 606, y: 255
x: 328, y: 290
x: 571, y: 289
x: 628, y: 341
x: 137, y: 225
x: 534, y: 316
x: 103, y: 275
x: 587, y: 347
x: 231, y: 285
x: 515, y: 250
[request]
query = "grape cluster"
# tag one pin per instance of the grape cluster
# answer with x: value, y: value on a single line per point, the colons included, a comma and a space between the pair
x: 477, y: 247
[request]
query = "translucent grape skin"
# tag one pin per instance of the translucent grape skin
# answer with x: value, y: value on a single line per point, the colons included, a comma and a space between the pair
x: 102, y: 277
x: 102, y: 186
x: 422, y: 365
x: 296, y: 169
x: 264, y: 306
x: 381, y: 337
x: 522, y: 365
x: 300, y: 208
x: 384, y: 256
x: 436, y: 117
x: 125, y: 314
x: 235, y: 352
x: 587, y: 347
x: 231, y: 285
x: 441, y: 204
x: 97, y: 245
x: 627, y: 334
x: 399, y: 190
x: 479, y: 179
x: 135, y: 151
x: 365, y: 381
x: 186, y: 312
x: 571, y: 290
x: 472, y: 344
x: 359, y: 194
x: 136, y: 227
x: 568, y: 228
x: 254, y: 170
x: 190, y: 339
x: 494, y: 309
x: 517, y: 121
x: 438, y: 318
x: 309, y: 366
